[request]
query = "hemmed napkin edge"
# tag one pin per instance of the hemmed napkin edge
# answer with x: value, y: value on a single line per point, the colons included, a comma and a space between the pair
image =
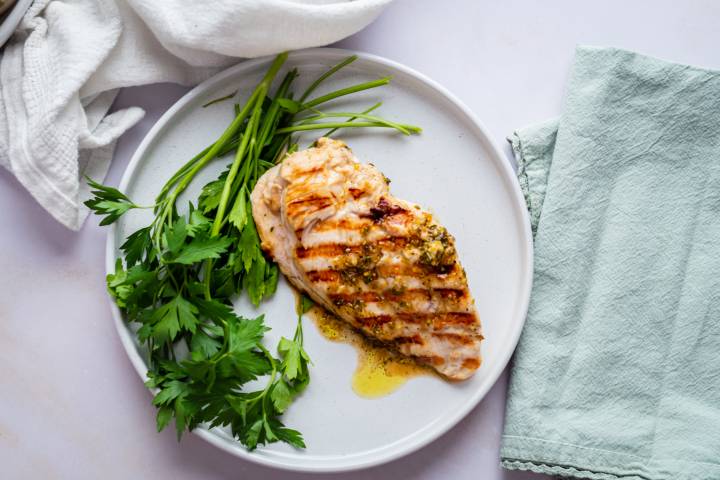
x: 564, y: 459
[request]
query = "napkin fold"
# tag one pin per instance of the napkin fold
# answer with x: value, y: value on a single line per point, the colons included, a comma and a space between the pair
x: 60, y: 73
x: 617, y: 373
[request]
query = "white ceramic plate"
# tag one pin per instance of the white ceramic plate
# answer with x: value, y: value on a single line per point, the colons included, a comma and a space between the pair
x: 453, y: 168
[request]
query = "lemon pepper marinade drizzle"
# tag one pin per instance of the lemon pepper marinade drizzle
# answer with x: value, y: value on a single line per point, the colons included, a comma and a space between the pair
x: 379, y: 371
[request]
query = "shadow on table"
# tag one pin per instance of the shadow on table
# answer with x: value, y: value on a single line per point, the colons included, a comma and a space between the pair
x: 24, y: 213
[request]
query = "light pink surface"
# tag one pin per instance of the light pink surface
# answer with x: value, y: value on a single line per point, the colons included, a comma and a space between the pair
x: 71, y: 405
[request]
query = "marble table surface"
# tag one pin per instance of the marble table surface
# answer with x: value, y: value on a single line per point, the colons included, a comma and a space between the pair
x: 72, y: 406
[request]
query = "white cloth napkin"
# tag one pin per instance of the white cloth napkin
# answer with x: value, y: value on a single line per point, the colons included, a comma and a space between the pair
x: 60, y: 73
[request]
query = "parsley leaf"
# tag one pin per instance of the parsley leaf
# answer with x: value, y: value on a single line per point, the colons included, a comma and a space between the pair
x: 281, y: 396
x: 204, y: 344
x: 175, y: 235
x: 305, y: 304
x: 108, y: 201
x: 171, y: 390
x: 290, y: 105
x: 210, y: 195
x: 239, y: 214
x: 244, y: 335
x: 126, y: 286
x: 294, y: 358
x: 164, y: 415
x: 172, y: 316
x: 288, y: 435
x: 202, y: 248
x: 136, y: 246
x: 198, y: 222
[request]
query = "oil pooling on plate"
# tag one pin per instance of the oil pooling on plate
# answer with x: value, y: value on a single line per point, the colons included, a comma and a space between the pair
x: 379, y: 371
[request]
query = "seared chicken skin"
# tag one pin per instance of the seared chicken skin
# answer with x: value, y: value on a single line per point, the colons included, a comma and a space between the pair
x: 380, y: 263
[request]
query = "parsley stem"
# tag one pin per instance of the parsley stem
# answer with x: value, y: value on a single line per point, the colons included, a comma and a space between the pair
x: 230, y: 131
x: 373, y: 118
x: 325, y: 75
x: 247, y: 141
x: 221, y: 99
x: 353, y: 118
x: 273, y: 374
x: 256, y: 104
x: 320, y: 126
x: 344, y: 91
x: 240, y: 155
x: 172, y: 279
x: 217, y: 146
x: 169, y: 204
x: 232, y: 145
x: 299, y: 329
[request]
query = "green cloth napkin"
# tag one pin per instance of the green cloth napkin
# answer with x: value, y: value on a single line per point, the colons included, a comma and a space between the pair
x: 617, y: 373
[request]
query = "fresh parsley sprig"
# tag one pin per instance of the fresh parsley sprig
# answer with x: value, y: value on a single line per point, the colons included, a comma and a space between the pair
x: 109, y: 202
x: 179, y: 275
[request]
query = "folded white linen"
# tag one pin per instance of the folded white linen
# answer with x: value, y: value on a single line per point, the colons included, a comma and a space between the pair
x: 60, y: 73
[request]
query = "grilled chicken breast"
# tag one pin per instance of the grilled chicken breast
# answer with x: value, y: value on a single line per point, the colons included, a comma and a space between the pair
x: 378, y: 262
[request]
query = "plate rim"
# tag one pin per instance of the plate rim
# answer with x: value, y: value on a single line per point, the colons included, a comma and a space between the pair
x: 11, y: 19
x: 406, y: 446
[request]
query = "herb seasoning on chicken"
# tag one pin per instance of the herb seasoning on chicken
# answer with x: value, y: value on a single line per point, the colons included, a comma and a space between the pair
x: 380, y: 263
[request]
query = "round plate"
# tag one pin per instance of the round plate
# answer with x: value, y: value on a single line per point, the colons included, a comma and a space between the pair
x: 452, y: 168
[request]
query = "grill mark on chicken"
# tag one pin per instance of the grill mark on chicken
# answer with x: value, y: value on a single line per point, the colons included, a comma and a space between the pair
x: 353, y: 224
x: 384, y: 270
x: 326, y: 250
x: 310, y: 171
x: 329, y: 250
x: 380, y: 263
x: 452, y: 293
x: 323, y: 279
x: 471, y: 363
x: 341, y: 224
x: 388, y: 265
x: 434, y: 360
x: 323, y: 275
x: 438, y: 319
x: 416, y: 339
x: 356, y: 192
x: 410, y: 270
x: 456, y: 338
x: 394, y: 295
x: 312, y: 201
x: 374, y: 321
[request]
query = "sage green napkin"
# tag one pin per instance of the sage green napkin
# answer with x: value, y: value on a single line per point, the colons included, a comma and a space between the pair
x: 617, y: 373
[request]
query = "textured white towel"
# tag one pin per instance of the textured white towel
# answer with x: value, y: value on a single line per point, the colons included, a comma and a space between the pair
x: 60, y: 73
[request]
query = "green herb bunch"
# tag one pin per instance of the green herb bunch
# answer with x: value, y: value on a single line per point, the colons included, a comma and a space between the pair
x: 180, y: 273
